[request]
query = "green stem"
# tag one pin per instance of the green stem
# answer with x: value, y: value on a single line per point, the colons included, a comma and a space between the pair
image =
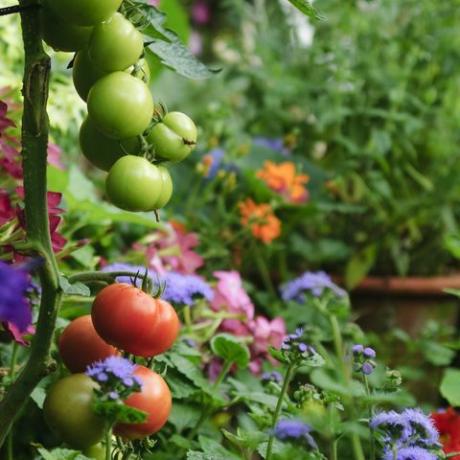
x: 34, y: 161
x: 17, y: 9
x: 109, y: 277
x: 9, y: 441
x: 264, y: 272
x: 224, y: 371
x: 371, y: 414
x: 334, y: 450
x: 277, y: 413
x: 108, y: 443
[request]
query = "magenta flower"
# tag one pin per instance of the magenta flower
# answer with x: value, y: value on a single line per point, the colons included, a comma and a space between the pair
x: 201, y: 14
x: 54, y: 156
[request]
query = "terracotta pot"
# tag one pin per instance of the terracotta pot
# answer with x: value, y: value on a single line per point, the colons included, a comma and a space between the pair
x: 405, y: 302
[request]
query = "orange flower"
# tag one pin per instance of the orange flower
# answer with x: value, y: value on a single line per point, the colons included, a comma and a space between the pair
x: 264, y: 225
x: 282, y: 178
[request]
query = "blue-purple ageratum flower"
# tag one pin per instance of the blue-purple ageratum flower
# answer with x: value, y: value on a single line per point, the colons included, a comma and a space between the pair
x: 422, y: 427
x: 273, y: 376
x: 314, y: 283
x: 272, y: 143
x: 14, y: 308
x: 114, y: 368
x: 363, y: 357
x: 215, y: 156
x: 184, y: 289
x: 294, y: 430
x: 409, y: 453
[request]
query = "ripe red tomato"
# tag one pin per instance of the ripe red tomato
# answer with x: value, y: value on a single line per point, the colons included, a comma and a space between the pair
x: 115, y: 44
x: 165, y: 331
x: 154, y: 398
x: 68, y: 411
x: 124, y: 316
x: 80, y: 345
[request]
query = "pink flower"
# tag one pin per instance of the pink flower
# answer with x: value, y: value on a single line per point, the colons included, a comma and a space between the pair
x: 229, y: 294
x: 172, y: 250
x: 153, y: 2
x: 201, y: 13
x: 54, y: 156
x: 18, y: 336
x: 7, y: 211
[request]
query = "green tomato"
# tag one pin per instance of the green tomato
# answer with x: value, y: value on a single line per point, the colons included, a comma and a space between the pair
x: 96, y: 452
x: 85, y: 73
x: 120, y: 105
x: 102, y: 151
x: 166, y: 188
x: 68, y: 411
x: 84, y: 12
x: 174, y: 137
x: 61, y: 36
x: 115, y: 44
x: 134, y: 184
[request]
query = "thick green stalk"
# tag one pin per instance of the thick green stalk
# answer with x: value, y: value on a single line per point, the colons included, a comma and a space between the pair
x: 279, y: 405
x: 34, y: 152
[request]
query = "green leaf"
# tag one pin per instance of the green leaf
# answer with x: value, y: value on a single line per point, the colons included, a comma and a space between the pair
x: 305, y: 7
x: 38, y: 396
x: 450, y: 386
x: 215, y: 450
x: 118, y: 412
x: 359, y: 265
x: 230, y: 349
x: 60, y: 454
x: 73, y: 289
x: 184, y: 415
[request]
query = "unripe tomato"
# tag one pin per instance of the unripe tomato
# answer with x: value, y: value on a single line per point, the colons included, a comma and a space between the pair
x: 96, y: 452
x: 84, y: 12
x: 85, y: 73
x: 174, y: 137
x: 61, y: 36
x: 154, y: 398
x: 134, y: 184
x: 115, y: 44
x: 120, y: 105
x: 166, y: 188
x: 165, y: 332
x: 102, y: 151
x: 80, y: 345
x: 124, y: 316
x: 68, y: 411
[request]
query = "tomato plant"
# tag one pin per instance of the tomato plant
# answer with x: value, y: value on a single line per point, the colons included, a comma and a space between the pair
x: 124, y: 316
x: 68, y: 411
x: 166, y: 188
x: 120, y: 105
x: 135, y: 184
x: 80, y: 345
x: 115, y: 44
x: 102, y: 151
x: 84, y: 12
x: 85, y: 73
x: 174, y: 137
x: 154, y: 398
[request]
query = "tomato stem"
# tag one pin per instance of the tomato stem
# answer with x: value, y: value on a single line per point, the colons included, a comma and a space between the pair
x: 17, y: 9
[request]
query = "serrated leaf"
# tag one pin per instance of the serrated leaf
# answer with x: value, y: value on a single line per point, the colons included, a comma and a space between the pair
x: 118, y: 412
x: 230, y: 349
x: 305, y: 7
x: 61, y: 454
x: 450, y: 386
x: 73, y: 289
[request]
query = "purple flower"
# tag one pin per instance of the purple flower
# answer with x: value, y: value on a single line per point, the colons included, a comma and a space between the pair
x: 369, y: 353
x: 120, y: 368
x: 214, y: 161
x: 367, y: 368
x: 357, y: 349
x: 184, y: 289
x: 114, y: 395
x: 272, y: 376
x: 422, y: 427
x: 272, y: 143
x: 314, y: 283
x: 294, y: 430
x: 393, y: 424
x: 409, y: 453
x: 14, y: 308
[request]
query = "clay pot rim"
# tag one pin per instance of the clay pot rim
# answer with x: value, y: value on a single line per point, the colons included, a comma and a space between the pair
x: 411, y: 285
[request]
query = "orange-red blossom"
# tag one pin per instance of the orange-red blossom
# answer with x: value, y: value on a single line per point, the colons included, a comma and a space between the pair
x: 260, y: 218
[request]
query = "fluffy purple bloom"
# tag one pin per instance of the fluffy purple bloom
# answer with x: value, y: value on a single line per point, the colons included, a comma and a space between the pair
x: 313, y: 282
x: 272, y: 143
x: 367, y: 368
x: 422, y: 427
x: 215, y: 158
x: 14, y: 308
x: 184, y: 289
x: 393, y: 423
x: 294, y: 430
x: 369, y: 353
x: 409, y: 453
x: 273, y: 376
x: 116, y: 367
x: 357, y: 349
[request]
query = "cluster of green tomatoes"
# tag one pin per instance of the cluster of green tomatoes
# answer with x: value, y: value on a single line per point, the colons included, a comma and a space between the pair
x: 123, y: 133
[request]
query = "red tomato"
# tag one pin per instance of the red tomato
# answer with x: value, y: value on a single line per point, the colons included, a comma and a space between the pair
x: 124, y: 316
x: 165, y: 331
x: 154, y: 398
x: 80, y: 345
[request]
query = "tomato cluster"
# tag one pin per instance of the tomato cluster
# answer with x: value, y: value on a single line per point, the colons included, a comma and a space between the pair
x: 123, y: 133
x: 123, y: 317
